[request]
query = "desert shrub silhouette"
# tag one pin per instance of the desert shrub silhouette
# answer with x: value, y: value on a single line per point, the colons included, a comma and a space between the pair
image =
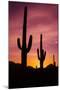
x: 42, y: 54
x: 24, y: 49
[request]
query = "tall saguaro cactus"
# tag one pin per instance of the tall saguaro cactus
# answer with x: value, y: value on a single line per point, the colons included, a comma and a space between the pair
x: 24, y: 49
x: 42, y: 54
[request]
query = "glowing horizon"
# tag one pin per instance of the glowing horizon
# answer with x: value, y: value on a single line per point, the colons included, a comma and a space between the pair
x: 41, y: 18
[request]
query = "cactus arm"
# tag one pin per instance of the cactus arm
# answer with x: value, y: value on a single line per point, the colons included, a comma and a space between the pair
x: 38, y: 54
x: 18, y: 43
x: 44, y: 54
x: 29, y: 44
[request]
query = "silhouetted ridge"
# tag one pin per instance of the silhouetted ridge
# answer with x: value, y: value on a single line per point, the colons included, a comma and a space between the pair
x: 51, y: 66
x: 20, y: 76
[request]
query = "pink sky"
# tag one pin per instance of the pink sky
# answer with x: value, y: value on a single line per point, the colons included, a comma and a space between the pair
x: 41, y: 18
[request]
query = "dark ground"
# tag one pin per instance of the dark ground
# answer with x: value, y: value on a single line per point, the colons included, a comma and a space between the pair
x: 21, y: 77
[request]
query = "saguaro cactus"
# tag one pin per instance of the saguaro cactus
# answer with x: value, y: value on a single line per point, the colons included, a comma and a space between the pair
x: 24, y: 49
x: 54, y: 63
x: 42, y: 54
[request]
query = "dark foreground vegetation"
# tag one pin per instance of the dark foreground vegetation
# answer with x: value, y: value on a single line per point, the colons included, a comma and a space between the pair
x: 20, y: 76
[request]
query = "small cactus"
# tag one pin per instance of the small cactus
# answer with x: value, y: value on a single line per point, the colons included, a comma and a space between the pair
x: 54, y: 63
x: 24, y: 49
x: 42, y: 54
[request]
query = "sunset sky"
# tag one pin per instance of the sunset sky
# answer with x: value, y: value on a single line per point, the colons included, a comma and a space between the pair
x: 41, y: 18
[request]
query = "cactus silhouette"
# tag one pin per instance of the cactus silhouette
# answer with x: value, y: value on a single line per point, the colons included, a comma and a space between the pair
x: 54, y: 63
x: 24, y: 49
x: 42, y: 54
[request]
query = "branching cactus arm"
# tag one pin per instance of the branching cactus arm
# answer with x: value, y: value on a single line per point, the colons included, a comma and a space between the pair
x: 43, y: 55
x: 29, y: 44
x: 18, y: 43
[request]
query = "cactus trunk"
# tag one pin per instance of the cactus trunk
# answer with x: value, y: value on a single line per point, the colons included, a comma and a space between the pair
x: 24, y: 49
x: 24, y: 58
x: 41, y: 64
x: 24, y: 53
